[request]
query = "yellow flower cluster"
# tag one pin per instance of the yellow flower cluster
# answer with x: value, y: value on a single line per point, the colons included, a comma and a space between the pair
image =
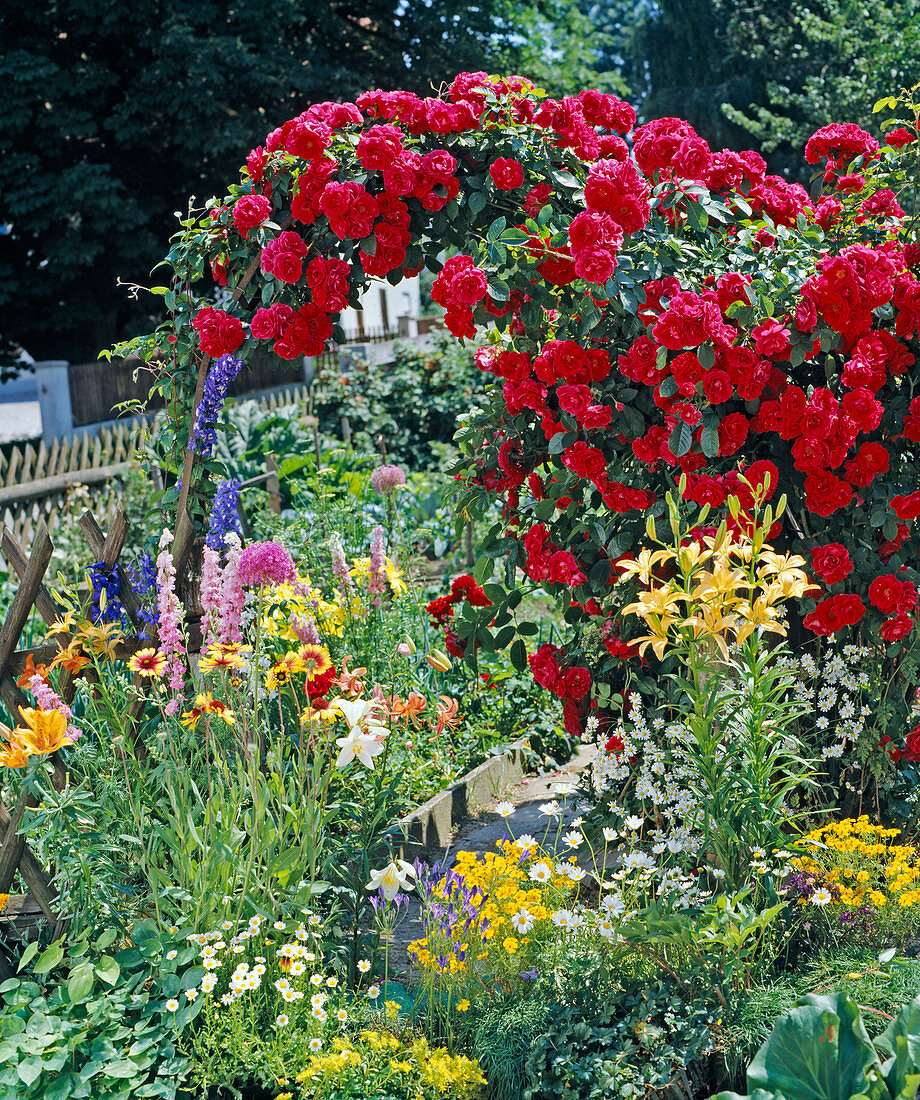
x: 864, y: 867
x: 300, y: 601
x: 379, y: 1061
x: 504, y: 890
x: 721, y: 587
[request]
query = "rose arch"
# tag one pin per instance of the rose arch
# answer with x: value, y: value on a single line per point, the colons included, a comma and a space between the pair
x: 649, y: 308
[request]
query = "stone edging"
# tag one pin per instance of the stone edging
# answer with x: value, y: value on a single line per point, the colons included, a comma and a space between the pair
x: 430, y: 826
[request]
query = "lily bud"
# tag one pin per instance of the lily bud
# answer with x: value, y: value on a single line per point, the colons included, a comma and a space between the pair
x: 439, y: 661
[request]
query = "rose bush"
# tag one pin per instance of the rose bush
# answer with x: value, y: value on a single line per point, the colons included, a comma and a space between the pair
x: 647, y: 310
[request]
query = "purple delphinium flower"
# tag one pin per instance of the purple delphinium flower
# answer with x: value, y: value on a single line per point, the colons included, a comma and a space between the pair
x: 104, y: 578
x: 225, y: 516
x: 221, y: 374
x: 143, y: 579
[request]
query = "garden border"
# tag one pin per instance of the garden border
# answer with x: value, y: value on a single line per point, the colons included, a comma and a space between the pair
x: 430, y: 826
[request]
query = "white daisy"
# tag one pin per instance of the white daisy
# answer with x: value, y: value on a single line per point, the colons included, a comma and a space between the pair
x: 523, y: 921
x: 541, y: 872
x: 821, y: 896
x: 505, y: 809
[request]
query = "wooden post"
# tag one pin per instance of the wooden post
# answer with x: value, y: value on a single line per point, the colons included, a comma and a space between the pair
x: 273, y: 483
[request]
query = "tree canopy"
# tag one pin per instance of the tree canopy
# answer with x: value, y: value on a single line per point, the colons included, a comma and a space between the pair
x: 110, y: 123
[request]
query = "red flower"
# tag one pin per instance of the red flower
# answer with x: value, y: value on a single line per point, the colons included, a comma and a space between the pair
x: 250, y: 211
x: 218, y: 332
x: 825, y: 493
x: 834, y: 613
x: 892, y: 630
x: 906, y: 507
x: 771, y: 339
x: 614, y: 745
x: 831, y: 562
x: 912, y: 751
x: 507, y: 174
x: 889, y: 594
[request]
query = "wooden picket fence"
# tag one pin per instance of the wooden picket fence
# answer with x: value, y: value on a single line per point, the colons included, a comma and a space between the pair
x: 35, y: 481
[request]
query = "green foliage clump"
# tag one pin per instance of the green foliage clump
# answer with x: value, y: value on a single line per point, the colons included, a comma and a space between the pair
x: 406, y: 405
x: 97, y: 1029
x: 821, y: 1050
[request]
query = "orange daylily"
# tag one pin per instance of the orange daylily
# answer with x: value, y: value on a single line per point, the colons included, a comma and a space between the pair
x: 30, y: 670
x: 13, y: 755
x: 71, y: 658
x: 409, y: 708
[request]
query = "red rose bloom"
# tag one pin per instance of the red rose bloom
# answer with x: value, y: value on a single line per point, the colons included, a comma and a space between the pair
x: 250, y: 211
x: 218, y: 332
x: 831, y: 562
x: 507, y: 174
x: 893, y: 630
x: 889, y: 594
x: 906, y: 507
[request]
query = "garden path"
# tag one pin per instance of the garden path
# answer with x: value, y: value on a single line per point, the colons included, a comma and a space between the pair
x: 479, y: 833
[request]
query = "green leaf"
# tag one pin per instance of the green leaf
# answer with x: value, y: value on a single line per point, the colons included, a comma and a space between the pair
x: 707, y: 356
x: 108, y: 969
x: 476, y: 202
x: 888, y: 101
x: 709, y: 441
x: 28, y: 955
x: 49, y: 959
x: 697, y: 216
x: 818, y: 1051
x: 496, y: 229
x: 518, y: 655
x: 29, y: 1069
x: 680, y: 439
x: 122, y: 1068
x: 80, y: 983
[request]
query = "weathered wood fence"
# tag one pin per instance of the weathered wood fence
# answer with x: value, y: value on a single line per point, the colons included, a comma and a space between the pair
x: 15, y: 854
x: 35, y: 480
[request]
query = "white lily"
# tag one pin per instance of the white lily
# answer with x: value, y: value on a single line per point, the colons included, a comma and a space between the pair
x: 360, y: 746
x: 359, y: 714
x: 392, y: 878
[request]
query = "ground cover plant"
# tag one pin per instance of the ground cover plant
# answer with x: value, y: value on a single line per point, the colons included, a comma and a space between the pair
x: 698, y: 435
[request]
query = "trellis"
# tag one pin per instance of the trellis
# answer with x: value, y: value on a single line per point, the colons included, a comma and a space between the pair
x: 31, y: 568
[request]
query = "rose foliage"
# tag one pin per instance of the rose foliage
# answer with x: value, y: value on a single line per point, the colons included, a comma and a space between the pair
x: 647, y: 307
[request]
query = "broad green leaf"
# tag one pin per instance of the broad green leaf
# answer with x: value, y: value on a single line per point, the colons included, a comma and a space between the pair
x: 680, y: 439
x: 108, y: 969
x: 820, y: 1050
x: 49, y: 959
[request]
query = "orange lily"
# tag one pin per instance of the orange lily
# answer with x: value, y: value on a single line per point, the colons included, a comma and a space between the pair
x: 411, y: 708
x: 71, y: 658
x: 349, y: 678
x: 14, y: 755
x: 45, y: 730
x: 30, y: 670
x: 447, y: 715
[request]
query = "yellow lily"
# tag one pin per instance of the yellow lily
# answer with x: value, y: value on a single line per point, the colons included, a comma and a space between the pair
x: 642, y: 566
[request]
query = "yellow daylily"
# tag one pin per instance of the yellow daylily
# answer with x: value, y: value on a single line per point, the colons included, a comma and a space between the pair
x: 658, y: 637
x: 710, y: 622
x: 101, y: 639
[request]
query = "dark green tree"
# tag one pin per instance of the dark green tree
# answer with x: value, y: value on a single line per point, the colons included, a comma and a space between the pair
x: 114, y: 114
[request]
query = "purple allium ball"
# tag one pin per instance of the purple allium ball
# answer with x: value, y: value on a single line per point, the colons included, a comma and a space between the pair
x: 387, y: 479
x: 265, y: 563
